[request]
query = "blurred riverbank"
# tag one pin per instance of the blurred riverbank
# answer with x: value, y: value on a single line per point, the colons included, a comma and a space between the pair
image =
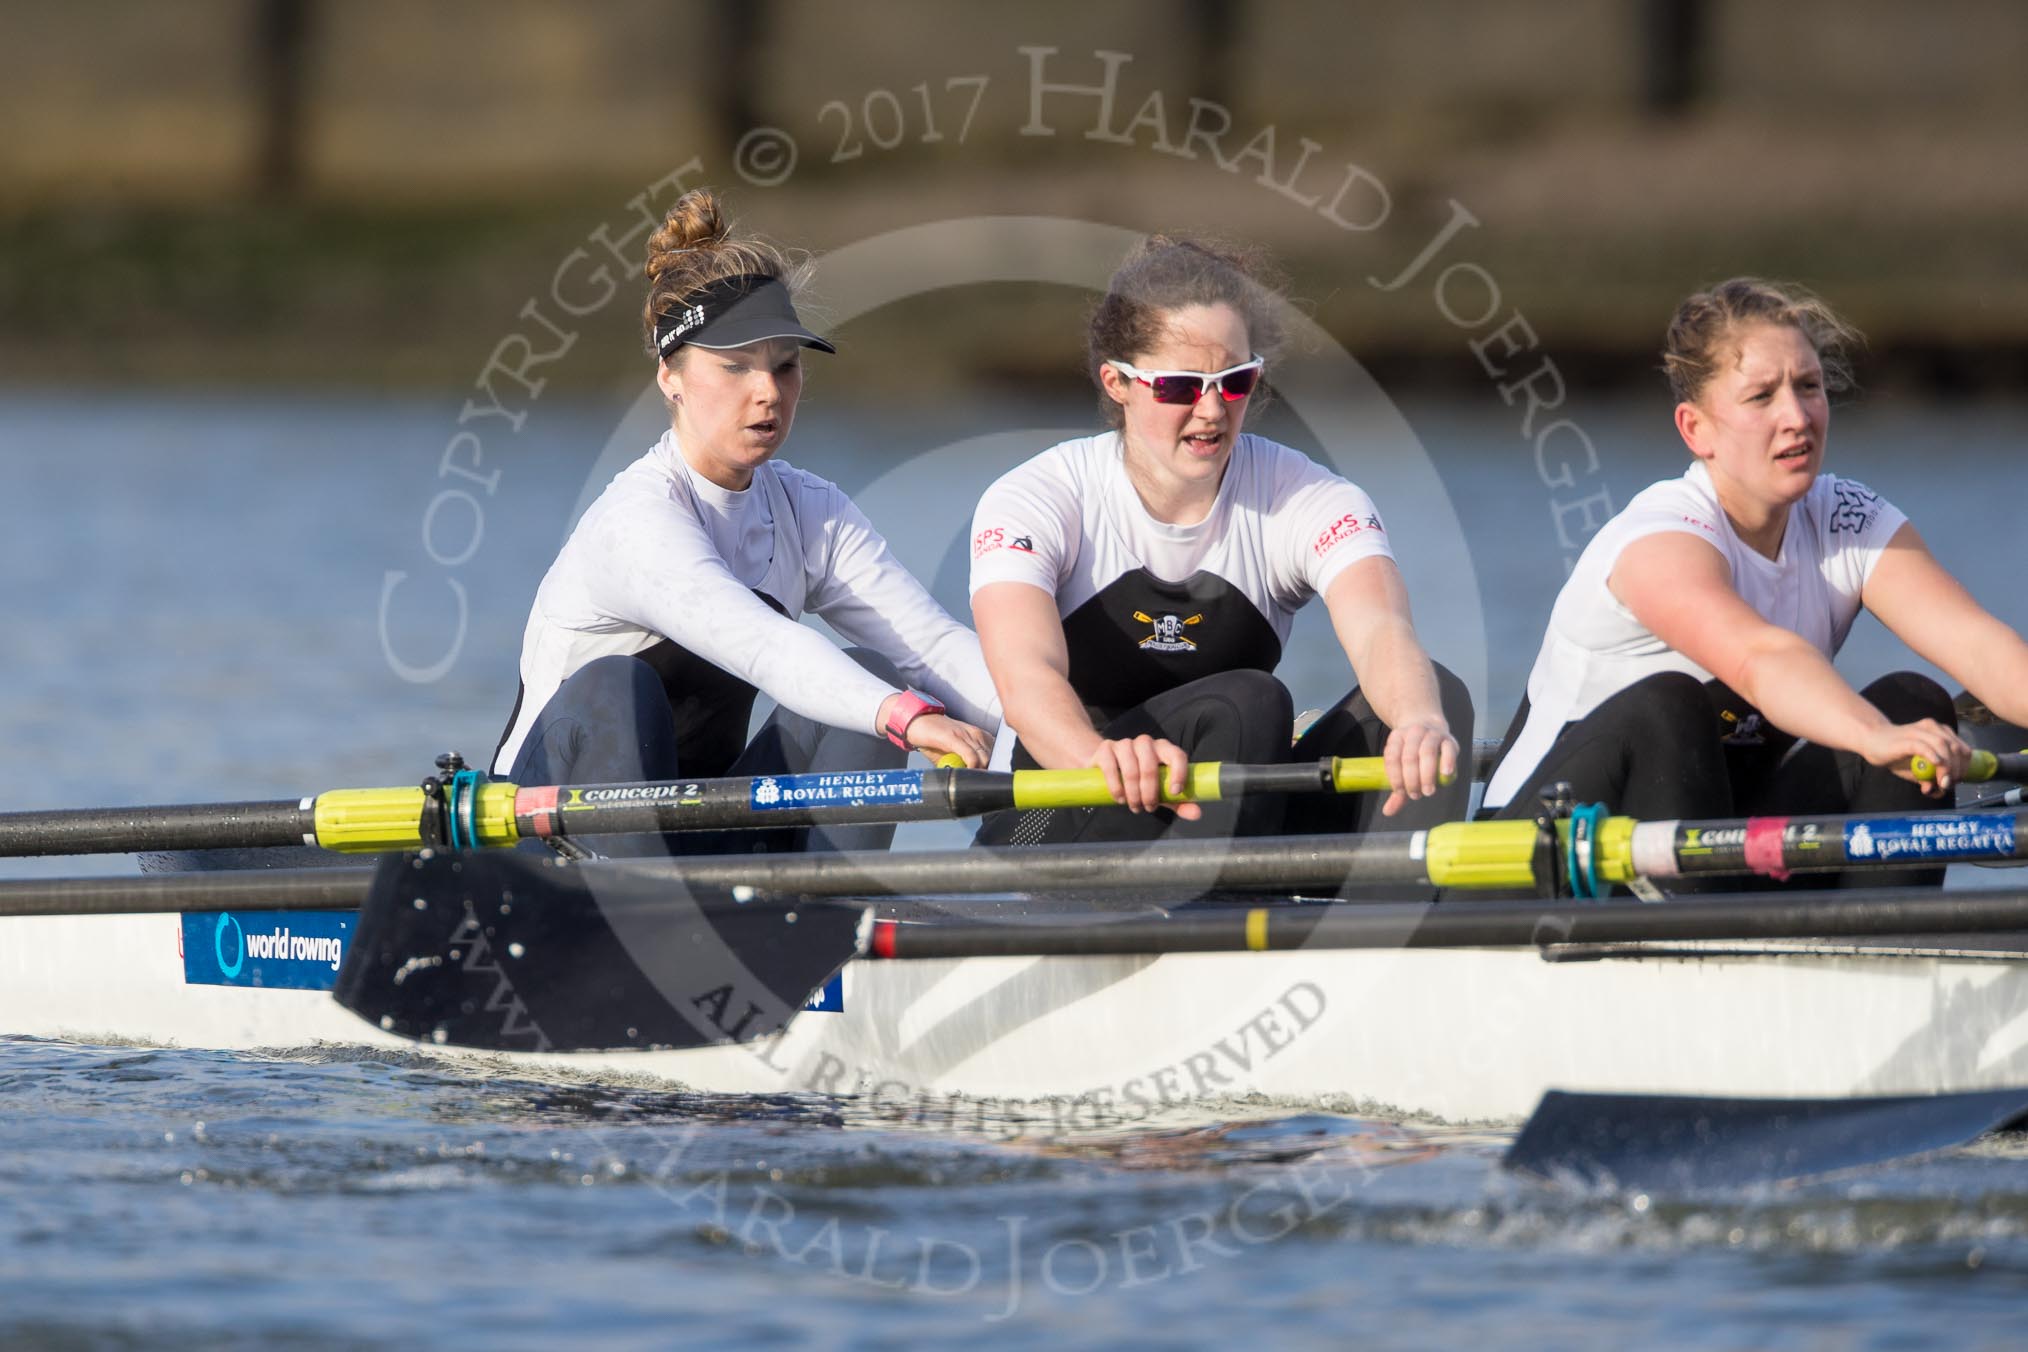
x: 371, y: 198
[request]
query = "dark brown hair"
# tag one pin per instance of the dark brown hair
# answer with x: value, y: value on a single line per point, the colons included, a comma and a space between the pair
x: 1167, y: 273
x: 1706, y: 328
x: 694, y: 247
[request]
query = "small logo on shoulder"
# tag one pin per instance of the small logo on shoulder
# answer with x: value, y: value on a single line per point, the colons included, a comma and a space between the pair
x: 1343, y: 529
x: 1857, y: 506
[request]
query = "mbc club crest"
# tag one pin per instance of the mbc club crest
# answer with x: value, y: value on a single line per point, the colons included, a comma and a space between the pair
x: 1168, y: 636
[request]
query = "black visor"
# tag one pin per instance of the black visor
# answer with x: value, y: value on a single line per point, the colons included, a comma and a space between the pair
x: 733, y: 312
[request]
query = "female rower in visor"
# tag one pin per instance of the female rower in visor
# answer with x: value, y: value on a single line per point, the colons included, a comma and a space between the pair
x: 1687, y: 668
x: 1133, y: 590
x: 676, y: 598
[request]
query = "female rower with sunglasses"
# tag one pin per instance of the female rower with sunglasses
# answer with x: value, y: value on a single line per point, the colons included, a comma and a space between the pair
x: 1686, y: 671
x: 676, y: 597
x: 1133, y: 590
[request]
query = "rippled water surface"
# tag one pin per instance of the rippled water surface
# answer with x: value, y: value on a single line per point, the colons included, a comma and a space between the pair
x: 198, y: 611
x: 316, y: 1199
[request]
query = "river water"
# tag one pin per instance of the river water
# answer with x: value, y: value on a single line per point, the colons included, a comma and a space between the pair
x: 223, y: 597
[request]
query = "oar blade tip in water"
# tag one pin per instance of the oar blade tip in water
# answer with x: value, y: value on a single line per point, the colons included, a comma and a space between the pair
x: 1681, y: 1144
x: 506, y: 952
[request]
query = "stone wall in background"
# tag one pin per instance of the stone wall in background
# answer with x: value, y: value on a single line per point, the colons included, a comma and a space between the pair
x: 341, y: 191
x: 499, y: 98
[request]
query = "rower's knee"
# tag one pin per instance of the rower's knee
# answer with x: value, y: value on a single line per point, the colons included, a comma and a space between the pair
x: 1265, y: 711
x: 613, y: 680
x: 1666, y: 704
x: 1260, y: 690
x: 1908, y: 696
x: 608, y: 722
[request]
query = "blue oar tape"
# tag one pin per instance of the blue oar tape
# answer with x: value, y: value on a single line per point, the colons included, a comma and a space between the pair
x: 1582, y: 856
x: 462, y: 809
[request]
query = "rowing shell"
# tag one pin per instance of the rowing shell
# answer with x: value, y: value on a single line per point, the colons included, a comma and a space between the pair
x: 1459, y: 1034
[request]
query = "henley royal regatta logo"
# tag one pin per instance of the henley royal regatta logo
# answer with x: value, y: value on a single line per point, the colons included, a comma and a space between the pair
x: 1168, y: 635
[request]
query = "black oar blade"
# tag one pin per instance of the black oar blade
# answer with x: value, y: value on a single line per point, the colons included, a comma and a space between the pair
x: 508, y: 952
x: 1668, y: 1143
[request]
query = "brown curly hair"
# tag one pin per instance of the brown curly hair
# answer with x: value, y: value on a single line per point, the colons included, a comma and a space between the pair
x: 1167, y: 273
x: 1704, y: 328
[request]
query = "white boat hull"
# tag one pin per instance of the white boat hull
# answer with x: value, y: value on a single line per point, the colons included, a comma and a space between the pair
x: 1463, y: 1034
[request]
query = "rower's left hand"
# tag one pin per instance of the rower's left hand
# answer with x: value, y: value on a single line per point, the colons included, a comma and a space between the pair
x: 1418, y: 754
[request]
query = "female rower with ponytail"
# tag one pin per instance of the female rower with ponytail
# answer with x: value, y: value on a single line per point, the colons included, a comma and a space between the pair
x: 1686, y: 672
x: 676, y: 598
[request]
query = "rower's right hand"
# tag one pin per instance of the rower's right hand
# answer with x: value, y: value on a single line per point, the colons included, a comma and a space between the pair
x: 940, y: 735
x: 1892, y: 746
x: 1134, y: 768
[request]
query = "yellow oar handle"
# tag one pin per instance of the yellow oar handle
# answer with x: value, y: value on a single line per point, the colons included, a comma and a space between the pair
x: 1365, y: 774
x: 1087, y: 788
x: 1983, y: 766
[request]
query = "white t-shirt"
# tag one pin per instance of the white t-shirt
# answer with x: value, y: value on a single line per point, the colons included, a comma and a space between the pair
x: 1070, y: 522
x: 665, y: 553
x: 1595, y: 648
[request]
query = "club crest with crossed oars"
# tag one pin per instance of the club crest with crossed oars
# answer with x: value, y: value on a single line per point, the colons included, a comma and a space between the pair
x: 1168, y: 635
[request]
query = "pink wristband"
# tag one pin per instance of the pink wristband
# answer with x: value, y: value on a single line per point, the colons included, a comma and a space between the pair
x: 907, y: 709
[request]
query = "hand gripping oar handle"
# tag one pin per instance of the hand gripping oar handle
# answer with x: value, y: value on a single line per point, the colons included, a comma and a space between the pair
x: 1984, y: 765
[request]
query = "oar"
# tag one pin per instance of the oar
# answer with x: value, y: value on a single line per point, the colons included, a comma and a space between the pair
x: 1674, y: 1144
x: 473, y: 811
x: 605, y: 955
x: 1597, y: 850
x: 1278, y: 864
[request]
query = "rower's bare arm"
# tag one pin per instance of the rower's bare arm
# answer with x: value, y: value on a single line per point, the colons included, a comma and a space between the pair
x: 1022, y: 637
x: 1369, y: 608
x: 1925, y: 607
x: 1679, y: 587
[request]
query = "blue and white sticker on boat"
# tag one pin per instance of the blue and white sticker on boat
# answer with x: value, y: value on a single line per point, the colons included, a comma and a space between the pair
x: 1972, y: 835
x: 845, y: 788
x: 285, y: 950
x: 830, y: 998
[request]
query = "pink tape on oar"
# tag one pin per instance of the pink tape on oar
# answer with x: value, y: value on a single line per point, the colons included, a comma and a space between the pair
x: 1764, y: 846
x: 534, y: 809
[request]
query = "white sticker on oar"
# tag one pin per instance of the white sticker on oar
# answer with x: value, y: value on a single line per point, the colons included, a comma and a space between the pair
x: 1654, y: 849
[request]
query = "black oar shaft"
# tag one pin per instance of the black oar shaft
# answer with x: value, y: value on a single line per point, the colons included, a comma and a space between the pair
x: 1485, y: 924
x: 2011, y: 766
x: 1280, y: 864
x: 1778, y: 846
x: 767, y: 801
x: 301, y: 889
x: 192, y: 826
